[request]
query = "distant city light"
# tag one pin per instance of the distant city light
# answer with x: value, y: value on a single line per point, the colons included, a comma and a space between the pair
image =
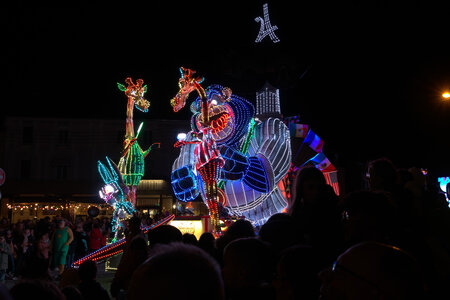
x: 446, y: 95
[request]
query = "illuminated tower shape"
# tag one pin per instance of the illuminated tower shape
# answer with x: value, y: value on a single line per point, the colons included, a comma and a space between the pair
x: 268, y: 102
x: 266, y: 29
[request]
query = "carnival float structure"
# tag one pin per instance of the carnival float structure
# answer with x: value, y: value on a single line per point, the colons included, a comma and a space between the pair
x: 234, y: 161
x: 121, y: 181
x: 131, y: 164
x: 240, y: 165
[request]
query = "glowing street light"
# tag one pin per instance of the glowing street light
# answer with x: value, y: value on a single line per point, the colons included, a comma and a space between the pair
x: 446, y: 95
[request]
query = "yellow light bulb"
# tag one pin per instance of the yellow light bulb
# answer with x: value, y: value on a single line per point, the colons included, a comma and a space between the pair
x: 446, y: 95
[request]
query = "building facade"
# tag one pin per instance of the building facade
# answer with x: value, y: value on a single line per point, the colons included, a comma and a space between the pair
x: 53, y: 161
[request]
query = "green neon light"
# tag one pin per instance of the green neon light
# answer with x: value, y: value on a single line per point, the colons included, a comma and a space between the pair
x: 121, y: 87
x: 221, y: 184
x: 251, y: 131
x: 139, y: 129
x: 131, y: 165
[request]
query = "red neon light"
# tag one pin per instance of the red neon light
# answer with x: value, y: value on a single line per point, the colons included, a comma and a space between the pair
x: 97, y: 255
x: 220, y: 123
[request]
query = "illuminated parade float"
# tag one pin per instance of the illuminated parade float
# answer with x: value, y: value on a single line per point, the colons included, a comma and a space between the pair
x: 240, y: 165
x: 131, y: 164
x: 121, y: 181
x: 240, y: 160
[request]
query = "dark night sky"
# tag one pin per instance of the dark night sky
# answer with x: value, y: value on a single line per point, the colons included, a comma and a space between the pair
x: 376, y: 70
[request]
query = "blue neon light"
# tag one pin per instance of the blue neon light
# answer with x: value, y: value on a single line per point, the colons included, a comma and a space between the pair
x: 256, y: 176
x: 443, y: 181
x: 236, y: 163
x: 184, y: 184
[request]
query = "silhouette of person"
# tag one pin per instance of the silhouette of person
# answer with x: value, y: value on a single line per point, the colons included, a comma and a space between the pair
x: 372, y: 270
x: 174, y: 272
x: 89, y: 287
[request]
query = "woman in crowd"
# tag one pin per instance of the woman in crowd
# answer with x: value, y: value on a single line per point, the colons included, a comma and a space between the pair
x: 61, y: 240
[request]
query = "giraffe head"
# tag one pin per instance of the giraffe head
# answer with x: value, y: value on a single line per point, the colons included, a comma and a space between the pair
x: 135, y: 92
x: 187, y: 83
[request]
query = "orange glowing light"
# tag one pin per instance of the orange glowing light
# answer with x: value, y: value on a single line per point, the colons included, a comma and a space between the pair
x: 446, y: 95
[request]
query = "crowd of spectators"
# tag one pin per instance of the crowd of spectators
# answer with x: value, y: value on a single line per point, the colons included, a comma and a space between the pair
x: 42, y: 249
x: 390, y: 240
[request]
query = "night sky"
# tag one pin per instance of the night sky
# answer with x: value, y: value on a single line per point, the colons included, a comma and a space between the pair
x: 367, y: 76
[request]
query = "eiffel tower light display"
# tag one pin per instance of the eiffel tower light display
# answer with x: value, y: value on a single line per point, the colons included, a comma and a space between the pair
x: 266, y: 29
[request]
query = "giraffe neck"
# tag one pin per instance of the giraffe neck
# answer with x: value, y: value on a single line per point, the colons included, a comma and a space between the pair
x: 129, y: 133
x: 204, y: 102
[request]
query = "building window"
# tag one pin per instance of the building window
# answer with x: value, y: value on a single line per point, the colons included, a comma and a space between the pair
x: 61, y: 172
x: 27, y: 135
x: 63, y: 137
x: 25, y: 169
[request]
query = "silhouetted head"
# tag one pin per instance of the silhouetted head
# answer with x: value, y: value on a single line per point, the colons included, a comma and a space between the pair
x: 189, y: 238
x: 308, y: 184
x: 247, y: 263
x: 134, y: 224
x: 382, y: 175
x: 177, y: 271
x: 372, y: 270
x: 87, y: 270
x: 241, y: 228
x: 164, y: 234
x: 207, y: 242
x: 207, y: 239
x: 279, y: 217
